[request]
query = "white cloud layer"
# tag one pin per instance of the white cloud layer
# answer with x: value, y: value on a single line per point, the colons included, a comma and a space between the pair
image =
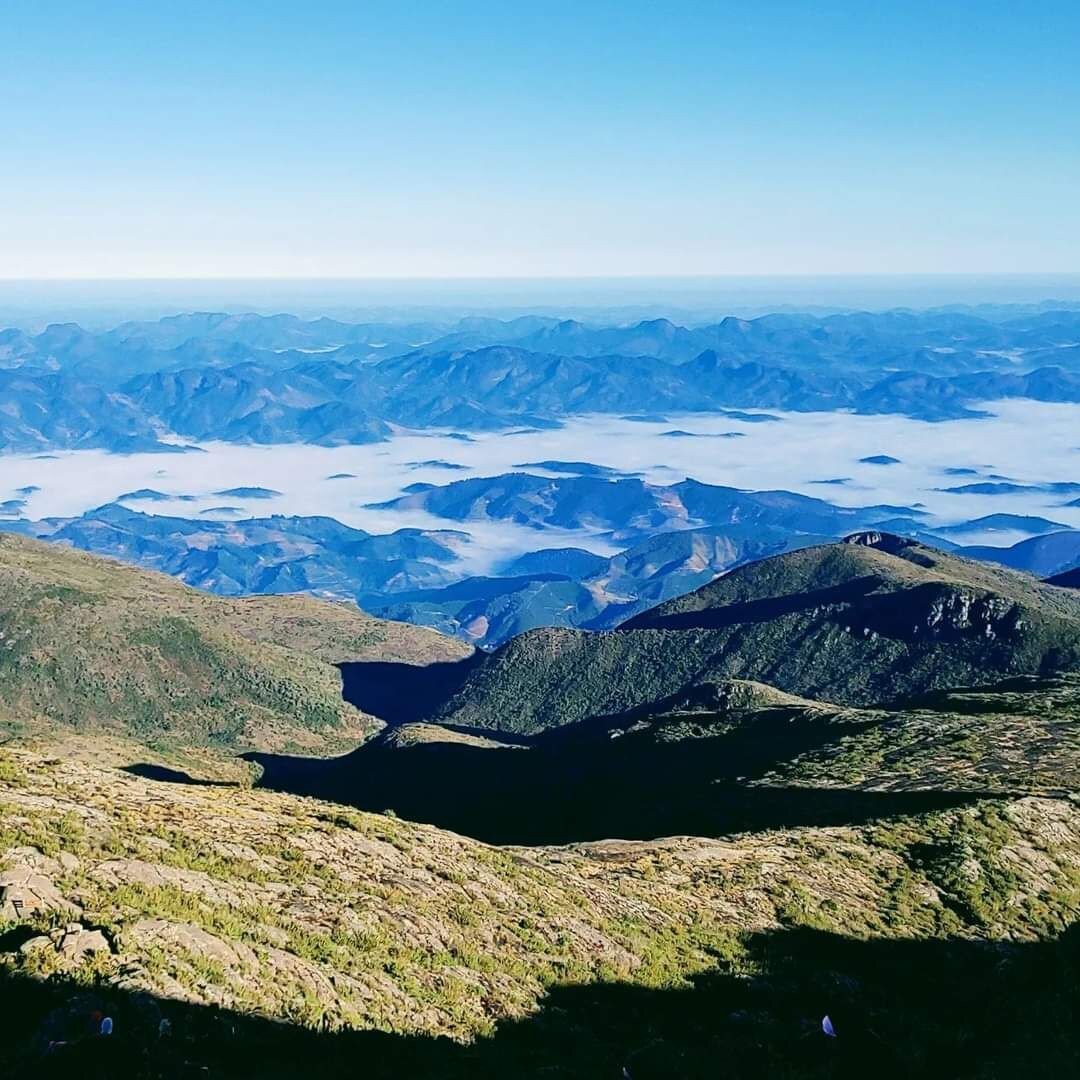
x: 1027, y: 442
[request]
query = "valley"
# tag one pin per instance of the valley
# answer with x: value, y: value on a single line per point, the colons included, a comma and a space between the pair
x: 529, y: 863
x: 491, y: 703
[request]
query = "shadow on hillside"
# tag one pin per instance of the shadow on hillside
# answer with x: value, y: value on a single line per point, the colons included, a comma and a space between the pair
x: 400, y: 693
x: 166, y: 775
x: 577, y: 783
x: 756, y: 611
x: 534, y: 797
x: 900, y: 1009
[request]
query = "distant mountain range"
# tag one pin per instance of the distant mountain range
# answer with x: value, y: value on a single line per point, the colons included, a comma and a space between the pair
x: 575, y: 588
x: 1043, y: 556
x: 674, y: 539
x: 939, y: 342
x: 277, y: 554
x: 629, y: 509
x: 276, y: 379
x: 571, y: 587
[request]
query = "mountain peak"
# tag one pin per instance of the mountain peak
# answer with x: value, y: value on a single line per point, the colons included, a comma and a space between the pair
x: 888, y: 542
x: 868, y: 621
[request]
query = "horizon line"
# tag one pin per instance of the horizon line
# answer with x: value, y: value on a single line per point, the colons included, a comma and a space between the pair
x: 794, y: 275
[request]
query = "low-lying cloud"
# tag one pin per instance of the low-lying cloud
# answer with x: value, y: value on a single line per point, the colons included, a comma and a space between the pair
x: 1028, y: 441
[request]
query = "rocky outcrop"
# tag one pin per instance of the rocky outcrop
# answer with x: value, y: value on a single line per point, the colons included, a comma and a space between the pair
x: 297, y: 909
x: 27, y: 886
x: 890, y: 543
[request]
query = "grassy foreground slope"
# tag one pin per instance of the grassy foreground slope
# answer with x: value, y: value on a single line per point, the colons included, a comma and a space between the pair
x: 149, y: 901
x: 873, y: 619
x: 1020, y: 735
x: 93, y: 645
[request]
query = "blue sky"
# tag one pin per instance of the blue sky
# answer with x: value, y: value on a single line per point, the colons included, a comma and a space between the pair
x: 485, y: 139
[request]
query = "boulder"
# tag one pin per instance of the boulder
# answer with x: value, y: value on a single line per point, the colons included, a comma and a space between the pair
x: 25, y: 891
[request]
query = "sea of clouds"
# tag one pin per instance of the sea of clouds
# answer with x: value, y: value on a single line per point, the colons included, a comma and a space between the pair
x: 1028, y: 442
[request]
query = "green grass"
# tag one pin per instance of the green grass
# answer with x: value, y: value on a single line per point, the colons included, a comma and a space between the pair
x: 95, y: 646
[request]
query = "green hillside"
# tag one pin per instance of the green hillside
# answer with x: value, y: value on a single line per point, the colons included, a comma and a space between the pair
x: 690, y: 880
x: 1021, y: 735
x: 718, y: 759
x: 91, y: 645
x: 856, y: 623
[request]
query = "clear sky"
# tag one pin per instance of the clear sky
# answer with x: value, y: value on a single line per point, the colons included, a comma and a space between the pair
x: 425, y: 138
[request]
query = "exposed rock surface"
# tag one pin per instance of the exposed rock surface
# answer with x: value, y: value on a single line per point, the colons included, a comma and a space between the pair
x: 294, y: 908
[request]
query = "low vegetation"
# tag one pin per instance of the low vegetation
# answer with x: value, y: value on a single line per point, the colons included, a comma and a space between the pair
x: 709, y: 873
x: 857, y: 623
x: 284, y: 907
x: 93, y: 646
